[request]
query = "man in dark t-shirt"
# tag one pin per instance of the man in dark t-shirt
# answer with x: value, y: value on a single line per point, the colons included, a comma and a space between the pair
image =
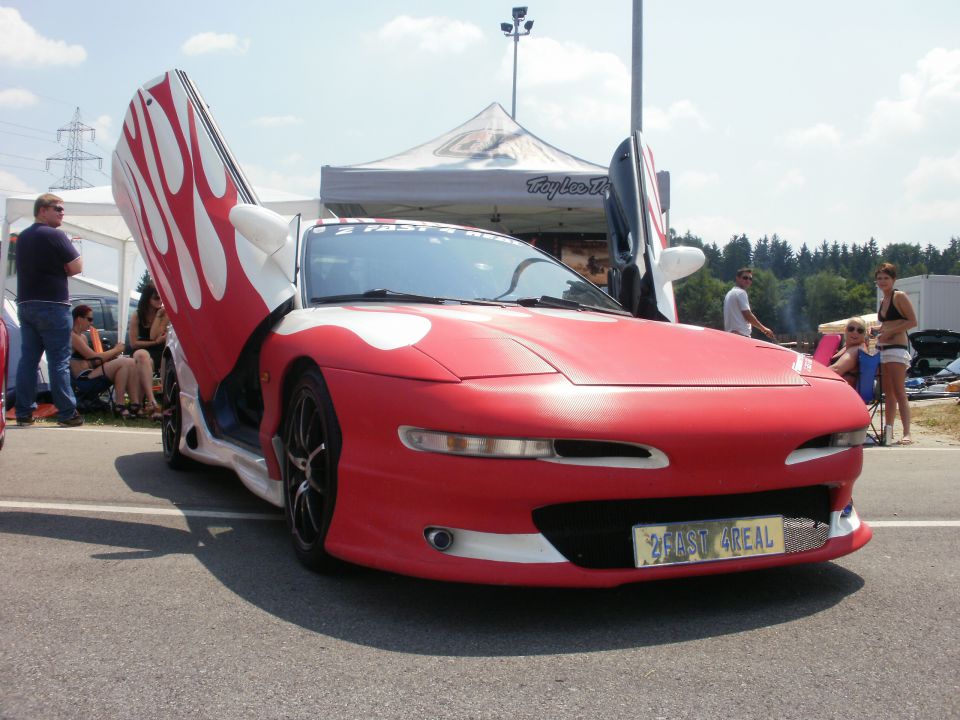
x: 45, y: 259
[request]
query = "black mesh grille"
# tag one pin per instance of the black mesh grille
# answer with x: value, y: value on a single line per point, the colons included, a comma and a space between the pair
x: 598, y: 534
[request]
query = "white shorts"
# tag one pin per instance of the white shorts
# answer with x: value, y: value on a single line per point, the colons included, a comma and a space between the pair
x: 895, y: 355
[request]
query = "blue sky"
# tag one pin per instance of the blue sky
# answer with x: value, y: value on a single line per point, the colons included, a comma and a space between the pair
x: 820, y: 120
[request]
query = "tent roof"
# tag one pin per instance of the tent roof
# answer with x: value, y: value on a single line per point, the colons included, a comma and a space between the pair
x: 838, y: 326
x: 489, y: 171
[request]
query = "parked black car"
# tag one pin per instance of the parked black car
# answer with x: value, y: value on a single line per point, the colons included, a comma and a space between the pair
x: 105, y: 316
x: 933, y: 351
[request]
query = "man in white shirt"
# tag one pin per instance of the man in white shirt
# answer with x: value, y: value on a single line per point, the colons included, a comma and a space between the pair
x: 737, y: 316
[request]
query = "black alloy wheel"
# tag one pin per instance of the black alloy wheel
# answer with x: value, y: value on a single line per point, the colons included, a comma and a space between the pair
x: 171, y: 427
x: 311, y: 450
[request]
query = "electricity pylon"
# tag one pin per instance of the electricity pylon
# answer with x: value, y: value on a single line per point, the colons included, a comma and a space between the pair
x: 74, y: 156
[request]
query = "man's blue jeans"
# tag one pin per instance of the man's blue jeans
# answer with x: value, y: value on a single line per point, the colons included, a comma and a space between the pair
x: 45, y: 326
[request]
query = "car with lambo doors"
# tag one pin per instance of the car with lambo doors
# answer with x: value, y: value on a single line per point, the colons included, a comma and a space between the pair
x: 452, y: 403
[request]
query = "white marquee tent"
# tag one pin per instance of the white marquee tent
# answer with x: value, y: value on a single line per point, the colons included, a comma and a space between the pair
x: 92, y: 215
x: 489, y: 172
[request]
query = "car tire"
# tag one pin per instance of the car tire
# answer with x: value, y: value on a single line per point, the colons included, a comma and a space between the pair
x: 171, y: 427
x: 311, y: 451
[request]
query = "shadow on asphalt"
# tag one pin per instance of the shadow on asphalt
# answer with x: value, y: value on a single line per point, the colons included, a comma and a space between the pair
x: 253, y: 559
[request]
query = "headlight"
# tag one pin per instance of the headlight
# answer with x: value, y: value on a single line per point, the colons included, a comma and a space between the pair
x: 475, y: 445
x: 853, y: 438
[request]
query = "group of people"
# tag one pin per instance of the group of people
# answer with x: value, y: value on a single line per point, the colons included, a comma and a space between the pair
x: 896, y: 316
x: 45, y: 259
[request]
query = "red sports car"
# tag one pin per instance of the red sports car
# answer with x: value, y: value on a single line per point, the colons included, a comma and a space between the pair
x: 452, y: 403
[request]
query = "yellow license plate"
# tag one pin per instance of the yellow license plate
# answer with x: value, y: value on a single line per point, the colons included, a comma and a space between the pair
x: 683, y: 543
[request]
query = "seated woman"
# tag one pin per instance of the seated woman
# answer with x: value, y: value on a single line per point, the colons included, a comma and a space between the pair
x: 148, y: 337
x: 97, y: 371
x: 846, y: 362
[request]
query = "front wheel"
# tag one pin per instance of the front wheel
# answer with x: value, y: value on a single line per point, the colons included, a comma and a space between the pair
x: 172, y: 426
x: 311, y: 450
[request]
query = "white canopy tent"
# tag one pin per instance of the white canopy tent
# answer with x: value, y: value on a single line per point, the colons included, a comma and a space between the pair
x: 838, y: 326
x: 489, y: 172
x: 92, y: 215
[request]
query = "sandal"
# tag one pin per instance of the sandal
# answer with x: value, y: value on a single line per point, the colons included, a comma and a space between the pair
x: 133, y: 410
x: 122, y: 411
x: 152, y: 411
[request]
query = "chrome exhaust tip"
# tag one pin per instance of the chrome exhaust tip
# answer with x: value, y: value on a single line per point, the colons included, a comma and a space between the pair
x: 439, y: 538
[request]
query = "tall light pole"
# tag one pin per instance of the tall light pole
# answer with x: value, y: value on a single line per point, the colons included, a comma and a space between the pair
x: 513, y: 30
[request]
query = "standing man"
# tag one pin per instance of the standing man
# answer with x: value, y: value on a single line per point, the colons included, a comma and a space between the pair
x: 45, y: 259
x: 737, y: 316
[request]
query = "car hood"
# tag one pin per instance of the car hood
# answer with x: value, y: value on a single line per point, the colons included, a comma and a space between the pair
x: 936, y: 343
x: 588, y: 348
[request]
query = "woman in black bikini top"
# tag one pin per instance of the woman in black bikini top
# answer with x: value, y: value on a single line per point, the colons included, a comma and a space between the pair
x: 897, y: 316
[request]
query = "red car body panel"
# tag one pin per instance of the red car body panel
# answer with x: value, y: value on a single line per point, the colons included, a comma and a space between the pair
x: 175, y: 190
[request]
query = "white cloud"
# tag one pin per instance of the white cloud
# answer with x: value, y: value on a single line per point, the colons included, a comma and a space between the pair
x: 277, y: 121
x: 17, y: 98
x: 932, y: 90
x: 434, y: 35
x: 815, y: 135
x: 302, y: 184
x: 208, y: 42
x: 696, y: 179
x: 22, y: 46
x: 682, y: 111
x: 103, y: 126
x: 569, y: 88
x: 792, y: 180
x: 11, y: 184
x: 932, y: 189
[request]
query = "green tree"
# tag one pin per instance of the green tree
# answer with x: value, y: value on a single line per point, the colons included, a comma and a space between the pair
x: 765, y: 297
x: 737, y: 253
x: 700, y: 299
x: 145, y: 280
x: 826, y: 295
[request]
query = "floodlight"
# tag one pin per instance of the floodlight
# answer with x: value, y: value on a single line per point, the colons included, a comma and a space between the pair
x: 528, y: 25
x: 519, y: 13
x: 507, y: 28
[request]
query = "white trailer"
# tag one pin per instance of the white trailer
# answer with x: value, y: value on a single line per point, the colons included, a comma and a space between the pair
x: 936, y: 299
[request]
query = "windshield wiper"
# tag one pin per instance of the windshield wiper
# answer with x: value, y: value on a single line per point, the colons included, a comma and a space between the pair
x: 549, y: 301
x: 385, y: 295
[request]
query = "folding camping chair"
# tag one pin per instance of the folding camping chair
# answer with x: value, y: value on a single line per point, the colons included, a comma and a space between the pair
x: 870, y: 387
x: 827, y: 346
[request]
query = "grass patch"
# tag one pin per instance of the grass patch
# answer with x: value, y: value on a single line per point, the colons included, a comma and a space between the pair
x: 101, y: 419
x: 941, y: 417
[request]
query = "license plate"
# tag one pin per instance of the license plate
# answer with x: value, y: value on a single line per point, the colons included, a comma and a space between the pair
x: 684, y: 543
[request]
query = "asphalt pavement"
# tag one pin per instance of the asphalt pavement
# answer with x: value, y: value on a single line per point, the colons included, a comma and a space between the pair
x: 128, y: 590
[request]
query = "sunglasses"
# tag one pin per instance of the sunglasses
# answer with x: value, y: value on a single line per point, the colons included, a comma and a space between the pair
x: 58, y: 208
x: 88, y: 319
x: 854, y: 328
x: 747, y: 277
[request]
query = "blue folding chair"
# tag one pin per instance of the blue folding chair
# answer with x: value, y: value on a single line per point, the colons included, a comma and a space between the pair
x: 871, y: 390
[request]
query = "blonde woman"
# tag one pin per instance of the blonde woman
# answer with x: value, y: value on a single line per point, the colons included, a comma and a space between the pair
x: 846, y: 361
x: 896, y: 315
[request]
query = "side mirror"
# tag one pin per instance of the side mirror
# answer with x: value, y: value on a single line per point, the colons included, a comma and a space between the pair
x: 679, y: 262
x: 269, y: 232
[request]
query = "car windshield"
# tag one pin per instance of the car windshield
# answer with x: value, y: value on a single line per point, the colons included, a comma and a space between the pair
x: 953, y: 367
x: 432, y: 262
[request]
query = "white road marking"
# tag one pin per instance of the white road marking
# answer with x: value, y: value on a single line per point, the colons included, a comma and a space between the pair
x: 87, y: 429
x: 912, y: 523
x: 138, y: 510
